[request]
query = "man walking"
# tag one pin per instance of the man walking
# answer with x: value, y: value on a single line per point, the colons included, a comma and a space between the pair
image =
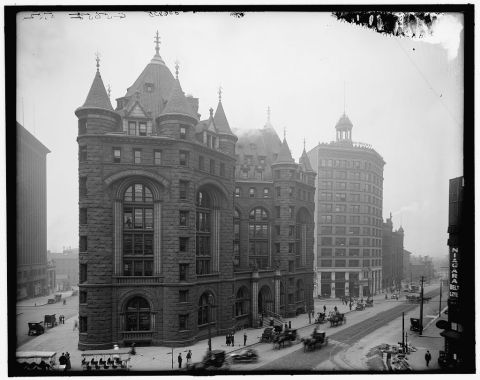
x: 180, y: 360
x: 189, y: 357
x: 244, y: 339
x: 324, y: 309
x: 428, y: 357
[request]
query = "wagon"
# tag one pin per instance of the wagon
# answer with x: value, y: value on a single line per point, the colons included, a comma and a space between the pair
x: 50, y: 320
x: 337, y: 319
x: 316, y: 339
x: 267, y: 335
x: 288, y: 336
x: 35, y: 328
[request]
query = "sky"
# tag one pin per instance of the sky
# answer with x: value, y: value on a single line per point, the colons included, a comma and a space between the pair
x: 404, y: 96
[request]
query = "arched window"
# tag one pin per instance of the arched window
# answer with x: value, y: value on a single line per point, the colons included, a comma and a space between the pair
x: 205, y: 309
x: 258, y: 233
x: 236, y: 238
x: 241, y: 302
x: 203, y: 233
x: 138, y: 231
x: 137, y: 315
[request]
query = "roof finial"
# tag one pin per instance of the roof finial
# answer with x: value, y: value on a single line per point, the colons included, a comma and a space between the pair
x: 211, y: 112
x: 97, y: 58
x: 268, y: 114
x: 157, y: 44
x: 177, y: 65
x: 220, y: 94
x: 109, y: 90
x: 284, y: 133
x: 304, y: 143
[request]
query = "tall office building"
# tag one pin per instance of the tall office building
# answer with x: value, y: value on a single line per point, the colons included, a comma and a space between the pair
x: 31, y: 215
x: 348, y: 217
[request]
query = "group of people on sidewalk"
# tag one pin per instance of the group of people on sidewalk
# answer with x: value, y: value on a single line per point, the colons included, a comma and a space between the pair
x: 180, y: 358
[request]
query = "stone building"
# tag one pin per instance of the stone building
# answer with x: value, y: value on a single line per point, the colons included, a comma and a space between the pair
x: 348, y: 218
x: 392, y: 256
x: 66, y: 268
x: 32, y: 276
x: 170, y: 250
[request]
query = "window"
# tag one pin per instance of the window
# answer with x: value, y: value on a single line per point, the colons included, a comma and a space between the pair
x: 326, y: 252
x: 325, y: 263
x: 251, y: 192
x: 83, y: 244
x: 117, y: 152
x: 137, y: 315
x: 340, y: 263
x: 83, y: 215
x: 326, y: 207
x: 266, y: 192
x: 142, y: 129
x: 201, y: 163
x: 222, y: 169
x: 183, y: 322
x: 354, y: 241
x: 340, y: 241
x: 157, y: 157
x: 236, y: 237
x: 340, y: 208
x: 241, y: 302
x: 83, y: 153
x: 83, y: 186
x: 183, y: 189
x: 258, y: 228
x: 354, y: 231
x: 83, y: 296
x: 291, y: 211
x: 325, y: 219
x: 291, y: 247
x: 183, y: 272
x: 278, y: 192
x: 340, y: 219
x: 277, y: 174
x: 291, y: 192
x: 183, y: 133
x: 340, y: 197
x: 353, y: 263
x: 325, y: 230
x: 212, y: 166
x: 183, y: 296
x: 132, y: 128
x: 291, y: 231
x: 354, y: 252
x: 340, y: 230
x: 326, y: 197
x: 203, y: 233
x: 277, y: 247
x: 183, y: 218
x: 83, y: 328
x: 138, y: 231
x: 326, y: 240
x: 82, y: 126
x: 237, y: 192
x: 341, y: 252
x: 277, y: 211
x: 205, y: 309
x: 183, y: 158
x: 291, y: 266
x: 83, y: 273
x: 183, y: 244
x: 137, y: 156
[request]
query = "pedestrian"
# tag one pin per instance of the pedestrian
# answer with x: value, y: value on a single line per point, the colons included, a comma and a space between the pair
x: 286, y: 326
x: 179, y: 360
x: 428, y: 357
x: 324, y: 309
x: 227, y: 340
x: 75, y: 325
x: 244, y: 339
x: 350, y: 305
x: 335, y: 309
x: 189, y: 357
x: 232, y: 337
x: 132, y: 349
x: 289, y: 324
x: 69, y: 365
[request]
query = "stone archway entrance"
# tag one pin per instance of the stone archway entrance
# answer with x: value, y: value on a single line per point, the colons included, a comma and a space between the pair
x: 265, y: 300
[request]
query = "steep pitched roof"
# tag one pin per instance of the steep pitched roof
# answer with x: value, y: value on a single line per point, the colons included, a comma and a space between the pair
x: 284, y: 156
x: 177, y: 103
x: 305, y: 161
x: 221, y: 121
x: 97, y: 96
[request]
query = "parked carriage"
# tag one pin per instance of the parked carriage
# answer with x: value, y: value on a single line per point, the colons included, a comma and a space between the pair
x: 35, y: 328
x: 316, y: 339
x: 337, y: 319
x: 50, y: 321
x: 415, y: 324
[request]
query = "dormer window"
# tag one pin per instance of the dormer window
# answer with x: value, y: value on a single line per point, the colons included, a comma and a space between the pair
x: 149, y: 87
x: 142, y: 130
x: 214, y: 142
x: 132, y: 128
x: 209, y: 141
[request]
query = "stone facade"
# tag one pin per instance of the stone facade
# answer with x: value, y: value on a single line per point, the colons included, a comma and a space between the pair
x: 392, y: 256
x: 157, y: 217
x: 348, y: 218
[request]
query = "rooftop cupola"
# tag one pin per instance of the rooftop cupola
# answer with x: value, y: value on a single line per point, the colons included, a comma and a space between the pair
x: 344, y: 128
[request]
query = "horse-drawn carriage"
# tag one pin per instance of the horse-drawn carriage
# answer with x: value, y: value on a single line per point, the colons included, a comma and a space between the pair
x: 360, y: 306
x: 369, y: 302
x: 267, y: 335
x: 337, y: 319
x: 279, y: 339
x: 50, y: 320
x: 35, y: 328
x: 317, y: 338
x: 415, y: 324
x: 321, y: 318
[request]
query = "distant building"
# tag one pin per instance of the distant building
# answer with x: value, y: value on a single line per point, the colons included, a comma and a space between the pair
x: 66, y: 268
x: 406, y: 266
x: 392, y: 255
x: 348, y: 217
x: 421, y: 266
x: 31, y: 215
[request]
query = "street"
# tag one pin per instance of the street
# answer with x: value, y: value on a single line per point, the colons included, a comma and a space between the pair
x: 30, y: 313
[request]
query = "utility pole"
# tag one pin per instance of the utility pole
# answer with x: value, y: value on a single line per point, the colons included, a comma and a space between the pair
x: 421, y: 306
x: 440, y: 303
x: 403, y: 332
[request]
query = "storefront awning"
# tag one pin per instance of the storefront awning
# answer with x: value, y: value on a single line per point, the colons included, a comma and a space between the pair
x: 451, y: 334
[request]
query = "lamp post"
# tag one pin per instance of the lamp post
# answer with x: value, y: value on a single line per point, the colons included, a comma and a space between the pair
x: 209, y: 308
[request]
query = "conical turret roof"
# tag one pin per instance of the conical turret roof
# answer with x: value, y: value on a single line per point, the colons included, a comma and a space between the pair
x: 97, y: 96
x: 284, y: 156
x: 305, y: 161
x: 177, y: 103
x: 344, y: 122
x: 221, y: 121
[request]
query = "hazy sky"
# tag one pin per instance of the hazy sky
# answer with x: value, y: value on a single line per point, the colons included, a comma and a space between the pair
x: 403, y: 96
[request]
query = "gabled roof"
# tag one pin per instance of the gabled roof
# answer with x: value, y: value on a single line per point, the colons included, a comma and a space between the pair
x: 284, y: 156
x: 305, y: 162
x: 177, y: 103
x: 97, y: 96
x: 221, y: 121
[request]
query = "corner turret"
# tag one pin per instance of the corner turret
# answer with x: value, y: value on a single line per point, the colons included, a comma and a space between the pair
x: 227, y: 138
